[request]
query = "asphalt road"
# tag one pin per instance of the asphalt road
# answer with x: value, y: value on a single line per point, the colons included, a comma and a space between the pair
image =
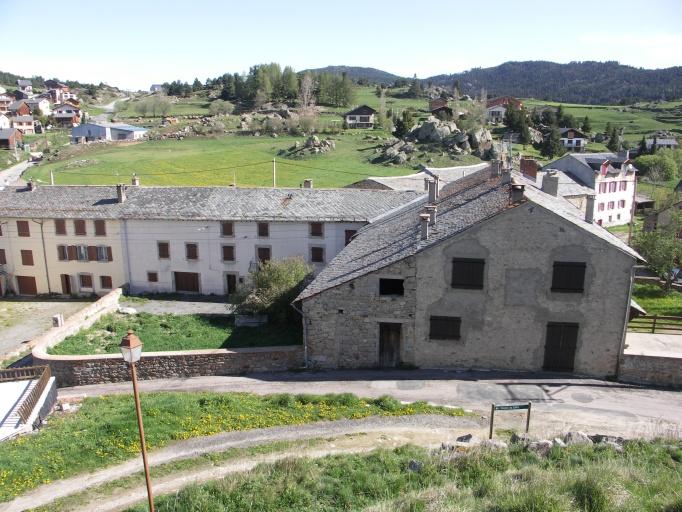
x: 11, y: 175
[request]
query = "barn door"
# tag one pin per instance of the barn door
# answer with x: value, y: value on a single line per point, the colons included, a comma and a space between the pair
x: 187, y: 282
x: 66, y: 284
x: 389, y: 345
x: 231, y: 283
x: 560, y: 346
x: 27, y: 285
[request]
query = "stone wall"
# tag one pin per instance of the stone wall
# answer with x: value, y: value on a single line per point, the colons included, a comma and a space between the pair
x: 84, y: 370
x: 651, y: 370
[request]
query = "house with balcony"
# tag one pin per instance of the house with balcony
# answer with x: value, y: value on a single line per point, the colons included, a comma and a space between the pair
x: 497, y: 107
x: 573, y: 140
x: 361, y: 117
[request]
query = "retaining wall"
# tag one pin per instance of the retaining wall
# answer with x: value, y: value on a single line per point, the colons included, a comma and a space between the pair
x: 651, y: 370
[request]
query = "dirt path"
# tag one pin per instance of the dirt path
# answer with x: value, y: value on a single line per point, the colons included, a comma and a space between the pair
x: 443, y: 428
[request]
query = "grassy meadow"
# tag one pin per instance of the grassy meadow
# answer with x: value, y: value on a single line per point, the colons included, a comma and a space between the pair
x: 646, y: 477
x: 40, y: 458
x: 173, y: 332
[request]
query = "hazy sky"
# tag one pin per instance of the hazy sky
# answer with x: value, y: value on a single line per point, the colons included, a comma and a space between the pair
x: 134, y: 43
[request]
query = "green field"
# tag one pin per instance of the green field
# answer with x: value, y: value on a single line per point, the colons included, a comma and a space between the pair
x: 173, y: 332
x: 220, y: 160
x: 637, y: 120
x: 194, y: 105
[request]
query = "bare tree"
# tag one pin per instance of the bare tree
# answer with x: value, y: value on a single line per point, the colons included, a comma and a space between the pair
x: 306, y: 94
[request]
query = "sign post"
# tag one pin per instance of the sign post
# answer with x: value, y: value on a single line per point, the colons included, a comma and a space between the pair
x: 508, y: 407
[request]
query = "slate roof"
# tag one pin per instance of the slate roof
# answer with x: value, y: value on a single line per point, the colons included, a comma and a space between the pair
x: 24, y: 83
x: 362, y: 110
x: 22, y: 119
x: 580, y: 135
x: 5, y: 133
x: 569, y: 185
x: 397, y: 235
x: 200, y: 203
x: 16, y: 104
x: 416, y: 181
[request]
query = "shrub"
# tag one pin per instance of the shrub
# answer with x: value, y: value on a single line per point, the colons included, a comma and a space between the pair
x: 387, y: 403
x: 590, y: 494
x: 657, y: 167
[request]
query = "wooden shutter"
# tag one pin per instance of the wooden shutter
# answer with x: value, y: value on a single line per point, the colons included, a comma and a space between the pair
x: 316, y: 229
x: 445, y: 327
x: 263, y: 229
x: 92, y: 253
x: 164, y: 250
x: 228, y: 253
x: 3, y: 258
x: 227, y: 229
x: 105, y: 282
x: 100, y: 228
x: 153, y: 277
x: 62, y: 253
x: 110, y: 254
x: 467, y: 273
x: 72, y: 253
x: 560, y: 346
x: 22, y: 228
x: 568, y: 277
x: 79, y: 227
x: 191, y: 251
x: 85, y: 280
x: 27, y: 257
x: 60, y: 226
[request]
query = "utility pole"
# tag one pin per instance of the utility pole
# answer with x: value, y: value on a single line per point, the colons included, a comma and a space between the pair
x: 51, y: 177
x: 633, y: 209
x: 234, y: 178
x: 274, y: 173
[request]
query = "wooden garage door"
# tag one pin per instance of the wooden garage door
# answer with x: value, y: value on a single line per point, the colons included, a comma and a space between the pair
x: 389, y: 345
x: 27, y: 285
x: 560, y: 346
x: 186, y: 282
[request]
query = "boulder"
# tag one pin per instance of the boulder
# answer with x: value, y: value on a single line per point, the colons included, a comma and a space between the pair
x: 415, y: 466
x: 577, y: 437
x: 494, y: 444
x: 541, y: 447
x: 520, y: 438
x: 124, y: 310
x: 558, y: 442
x: 400, y: 158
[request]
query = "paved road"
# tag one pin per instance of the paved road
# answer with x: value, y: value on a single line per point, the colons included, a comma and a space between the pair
x: 108, y: 110
x: 559, y: 403
x: 11, y: 175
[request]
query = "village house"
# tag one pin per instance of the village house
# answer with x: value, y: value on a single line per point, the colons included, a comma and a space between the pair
x: 5, y: 102
x: 440, y: 109
x: 25, y: 86
x: 10, y: 138
x: 573, y: 140
x: 66, y: 115
x: 4, y: 122
x: 661, y: 143
x: 89, y: 132
x: 24, y: 124
x: 361, y: 117
x: 79, y: 240
x: 497, y: 107
x: 19, y: 108
x: 490, y: 274
x: 609, y: 176
x: 58, y: 91
x: 39, y: 106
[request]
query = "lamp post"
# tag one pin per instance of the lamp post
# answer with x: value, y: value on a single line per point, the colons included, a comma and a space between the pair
x: 131, y: 348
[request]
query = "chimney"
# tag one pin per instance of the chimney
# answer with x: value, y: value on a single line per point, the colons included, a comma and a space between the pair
x: 432, y: 192
x: 136, y: 180
x: 437, y: 180
x: 589, y: 208
x: 426, y: 183
x: 121, y: 192
x: 517, y: 191
x: 308, y: 183
x: 424, y: 219
x: 431, y: 211
x: 32, y: 185
x: 550, y: 183
x: 529, y: 167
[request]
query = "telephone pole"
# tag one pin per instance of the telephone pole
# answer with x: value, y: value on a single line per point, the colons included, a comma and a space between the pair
x: 274, y: 173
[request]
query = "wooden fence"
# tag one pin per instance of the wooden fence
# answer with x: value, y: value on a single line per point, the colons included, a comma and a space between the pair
x: 655, y: 323
x: 42, y: 373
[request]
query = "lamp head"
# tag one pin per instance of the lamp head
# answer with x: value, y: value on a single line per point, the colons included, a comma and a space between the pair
x: 131, y: 348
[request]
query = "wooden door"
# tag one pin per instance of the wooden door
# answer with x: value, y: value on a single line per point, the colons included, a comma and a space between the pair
x: 389, y: 345
x: 27, y: 285
x: 186, y: 282
x: 66, y: 284
x: 231, y: 283
x: 560, y: 345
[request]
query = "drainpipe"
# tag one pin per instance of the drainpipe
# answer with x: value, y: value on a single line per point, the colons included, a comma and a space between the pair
x: 47, y: 268
x: 305, y: 334
x: 124, y: 233
x: 621, y: 352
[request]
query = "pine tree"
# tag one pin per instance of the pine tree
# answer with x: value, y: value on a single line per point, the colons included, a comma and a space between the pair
x: 551, y: 146
x: 196, y: 86
x: 641, y: 150
x: 614, y: 140
x: 587, y: 125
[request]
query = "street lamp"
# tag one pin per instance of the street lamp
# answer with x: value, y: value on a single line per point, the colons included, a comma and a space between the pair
x: 131, y: 348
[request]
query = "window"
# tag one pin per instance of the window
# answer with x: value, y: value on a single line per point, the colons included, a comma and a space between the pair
x: 263, y: 229
x: 568, y: 277
x: 104, y: 253
x: 105, y: 282
x: 445, y: 327
x: 600, y: 207
x: 317, y: 254
x: 316, y: 229
x: 191, y: 251
x: 153, y: 277
x: 60, y: 227
x: 610, y: 205
x: 599, y: 222
x: 350, y: 233
x: 62, y: 253
x: 100, y: 228
x: 613, y: 186
x: 263, y: 254
x: 82, y: 252
x: 610, y: 218
x: 576, y: 142
x: 228, y: 252
x: 27, y: 257
x: 79, y: 227
x: 164, y: 250
x: 227, y: 229
x: 391, y: 287
x: 467, y: 273
x: 3, y: 257
x: 623, y: 185
x: 0, y: 229
x: 621, y: 203
x: 602, y: 188
x: 22, y: 228
x: 85, y: 280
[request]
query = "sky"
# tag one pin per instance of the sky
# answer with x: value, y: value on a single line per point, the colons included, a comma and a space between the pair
x: 134, y: 43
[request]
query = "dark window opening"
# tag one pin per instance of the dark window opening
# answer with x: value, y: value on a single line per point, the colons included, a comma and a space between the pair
x: 350, y: 233
x: 228, y: 252
x: 227, y: 229
x: 316, y: 229
x: 391, y: 287
x: 192, y: 251
x: 263, y: 229
x: 468, y: 273
x: 568, y: 277
x: 153, y: 277
x: 317, y: 254
x: 60, y: 226
x: 445, y: 327
x: 105, y: 282
x: 85, y: 280
x: 164, y: 250
x: 263, y: 254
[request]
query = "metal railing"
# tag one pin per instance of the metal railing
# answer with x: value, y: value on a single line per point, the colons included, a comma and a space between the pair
x: 42, y: 373
x: 655, y: 323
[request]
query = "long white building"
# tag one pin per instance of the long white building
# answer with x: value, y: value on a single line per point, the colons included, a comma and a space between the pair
x: 82, y: 240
